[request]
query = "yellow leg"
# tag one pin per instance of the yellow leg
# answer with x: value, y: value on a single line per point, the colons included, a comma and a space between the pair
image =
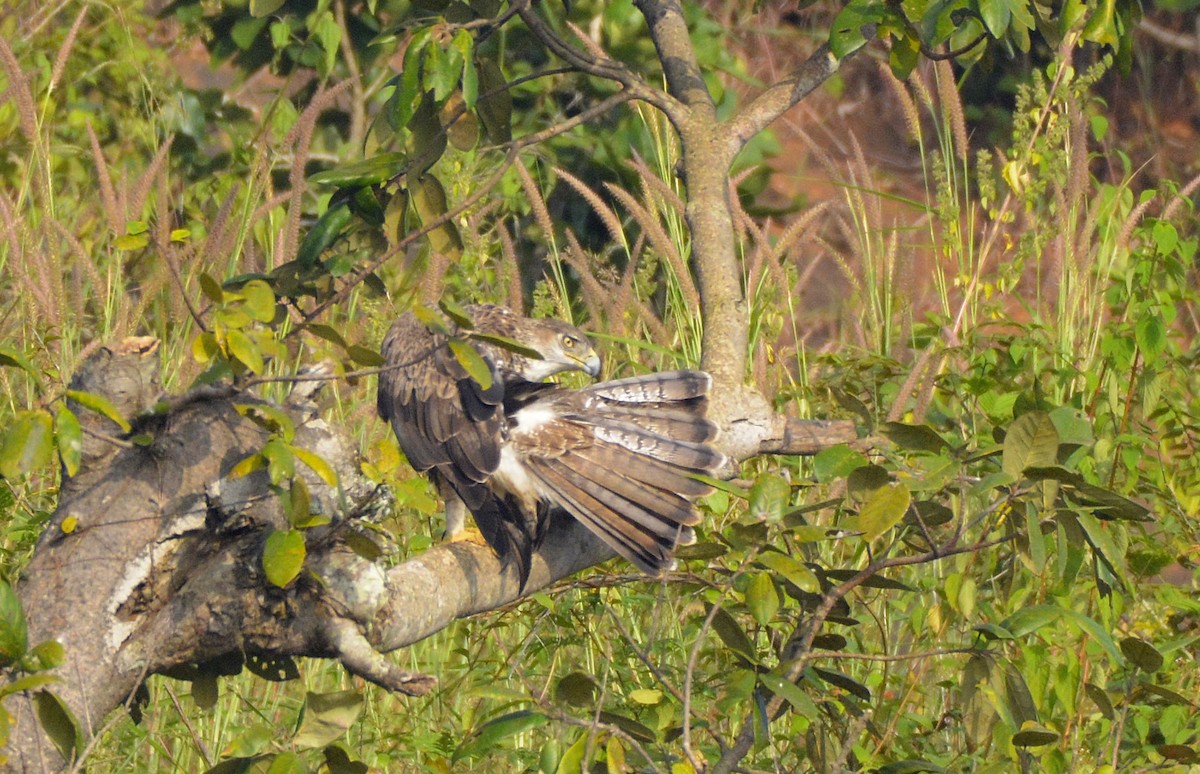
x: 457, y: 530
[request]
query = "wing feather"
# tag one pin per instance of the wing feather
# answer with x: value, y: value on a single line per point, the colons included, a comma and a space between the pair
x: 620, y: 458
x: 636, y: 546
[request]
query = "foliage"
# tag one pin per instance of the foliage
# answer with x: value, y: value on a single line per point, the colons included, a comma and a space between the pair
x: 973, y: 590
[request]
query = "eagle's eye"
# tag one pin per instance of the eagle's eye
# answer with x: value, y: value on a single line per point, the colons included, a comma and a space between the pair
x: 569, y: 341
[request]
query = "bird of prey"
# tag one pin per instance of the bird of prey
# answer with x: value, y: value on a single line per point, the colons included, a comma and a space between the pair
x: 619, y: 456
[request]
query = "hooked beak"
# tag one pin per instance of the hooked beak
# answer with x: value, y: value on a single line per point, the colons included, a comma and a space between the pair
x: 591, y: 366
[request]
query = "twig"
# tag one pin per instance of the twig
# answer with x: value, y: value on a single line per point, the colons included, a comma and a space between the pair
x: 201, y: 747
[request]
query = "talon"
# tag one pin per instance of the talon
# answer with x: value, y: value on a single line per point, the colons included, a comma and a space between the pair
x: 465, y: 535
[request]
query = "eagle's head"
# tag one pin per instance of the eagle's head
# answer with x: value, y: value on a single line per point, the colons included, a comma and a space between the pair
x: 562, y: 347
x: 559, y: 346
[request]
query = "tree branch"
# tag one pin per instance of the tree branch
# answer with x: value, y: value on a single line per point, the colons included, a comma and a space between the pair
x: 596, y: 65
x: 779, y: 98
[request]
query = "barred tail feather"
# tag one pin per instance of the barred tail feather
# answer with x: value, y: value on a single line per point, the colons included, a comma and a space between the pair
x: 664, y: 387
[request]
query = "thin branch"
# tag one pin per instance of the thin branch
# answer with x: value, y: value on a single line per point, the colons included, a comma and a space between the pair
x: 839, y: 655
x: 606, y: 68
x: 778, y: 99
x: 1171, y: 37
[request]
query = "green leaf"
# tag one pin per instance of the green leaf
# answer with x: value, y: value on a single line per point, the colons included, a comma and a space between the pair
x: 629, y: 726
x: 843, y: 681
x: 1018, y: 698
x: 496, y: 730
x: 14, y: 634
x: 287, y: 762
x: 281, y: 463
x: 1032, y: 734
x: 283, y: 556
x: 47, y: 654
x: 326, y: 717
x: 327, y: 230
x: 1108, y: 504
x: 1100, y: 698
x: 472, y: 362
x: 1143, y: 655
x: 571, y: 761
x: 68, y: 435
x: 614, y: 756
x: 328, y: 36
x: 646, y: 696
x: 211, y: 288
x: 429, y: 200
x: 10, y: 357
x: 245, y: 350
x: 885, y: 508
x: 836, y: 462
x: 791, y: 693
x: 495, y: 105
x: 338, y: 761
x: 996, y: 16
x: 1029, y: 619
x: 441, y: 70
x: 1151, y: 335
x: 732, y: 635
x: 247, y: 465
x: 28, y: 443
x: 59, y: 724
x: 864, y: 481
x: 403, y: 102
x: 1032, y: 441
x: 1102, y: 543
x: 576, y: 689
x: 992, y: 631
x: 427, y: 142
x: 769, y: 497
x: 1098, y: 632
x: 231, y: 317
x: 28, y: 683
x: 372, y: 171
x: 131, y: 241
x: 365, y: 356
x: 846, y: 35
x: 326, y: 332
x: 792, y: 570
x: 317, y: 464
x: 251, y: 742
x: 464, y: 42
x: 299, y: 503
x: 259, y: 300
x: 762, y: 598
x: 260, y: 8
x: 205, y: 348
x: 913, y: 437
x: 457, y: 314
x: 512, y: 345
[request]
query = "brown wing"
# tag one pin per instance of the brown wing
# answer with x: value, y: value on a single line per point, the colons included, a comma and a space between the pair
x: 450, y: 427
x: 621, y: 458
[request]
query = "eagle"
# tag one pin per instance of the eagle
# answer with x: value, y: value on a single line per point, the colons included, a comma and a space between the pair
x: 622, y: 456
